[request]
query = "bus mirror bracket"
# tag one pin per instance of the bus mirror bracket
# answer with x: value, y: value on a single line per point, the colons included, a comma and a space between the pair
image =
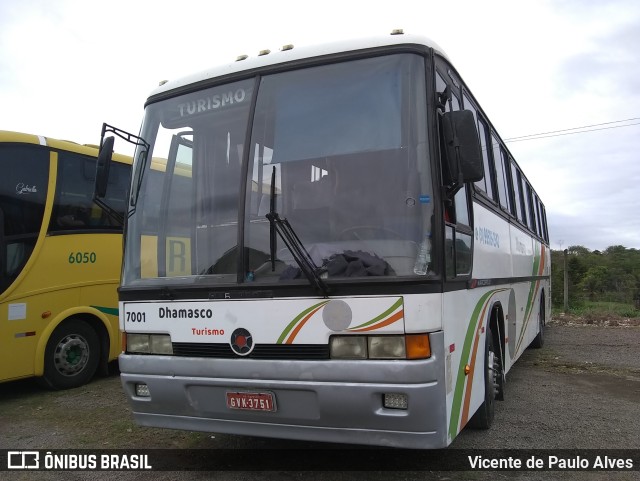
x: 463, y: 158
x: 105, y: 155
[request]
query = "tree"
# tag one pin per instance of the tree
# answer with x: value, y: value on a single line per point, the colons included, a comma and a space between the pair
x: 595, y: 281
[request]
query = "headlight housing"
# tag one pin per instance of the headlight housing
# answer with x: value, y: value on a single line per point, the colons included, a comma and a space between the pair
x: 149, y: 343
x: 409, y: 346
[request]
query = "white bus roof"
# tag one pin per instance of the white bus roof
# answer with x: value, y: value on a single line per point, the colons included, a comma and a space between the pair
x: 291, y: 53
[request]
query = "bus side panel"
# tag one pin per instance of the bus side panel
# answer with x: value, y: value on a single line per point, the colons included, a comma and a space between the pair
x: 465, y: 325
x: 71, y: 271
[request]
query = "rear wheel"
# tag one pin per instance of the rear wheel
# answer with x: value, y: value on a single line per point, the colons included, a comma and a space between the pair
x: 71, y: 356
x: 483, y: 417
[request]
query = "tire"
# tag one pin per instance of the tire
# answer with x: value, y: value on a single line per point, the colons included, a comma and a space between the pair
x: 71, y: 356
x: 483, y: 417
x: 538, y: 341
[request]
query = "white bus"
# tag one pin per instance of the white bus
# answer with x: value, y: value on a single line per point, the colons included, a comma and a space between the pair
x: 331, y: 244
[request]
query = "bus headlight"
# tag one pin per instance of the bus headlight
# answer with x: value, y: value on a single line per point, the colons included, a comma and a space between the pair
x: 409, y: 346
x: 149, y: 343
x: 348, y: 347
x: 387, y: 347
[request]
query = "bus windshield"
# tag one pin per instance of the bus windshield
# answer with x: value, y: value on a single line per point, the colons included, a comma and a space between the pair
x: 339, y: 150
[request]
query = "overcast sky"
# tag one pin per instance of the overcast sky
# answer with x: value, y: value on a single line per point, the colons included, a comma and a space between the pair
x: 66, y: 66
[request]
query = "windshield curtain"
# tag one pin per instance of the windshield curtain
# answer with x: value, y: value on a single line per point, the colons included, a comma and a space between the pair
x: 339, y: 151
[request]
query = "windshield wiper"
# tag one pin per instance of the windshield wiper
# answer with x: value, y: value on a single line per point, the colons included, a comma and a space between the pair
x: 294, y: 244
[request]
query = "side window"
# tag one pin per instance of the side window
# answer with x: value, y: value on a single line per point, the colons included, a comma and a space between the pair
x: 520, y: 200
x: 486, y: 184
x: 73, y: 207
x: 458, y: 258
x: 505, y: 181
x: 441, y: 85
x: 544, y: 222
x: 532, y: 215
x: 536, y: 202
x: 513, y: 187
x: 455, y: 103
x: 501, y: 179
x: 468, y: 105
x: 23, y: 191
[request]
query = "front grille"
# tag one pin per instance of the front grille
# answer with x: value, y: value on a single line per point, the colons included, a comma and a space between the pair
x: 303, y: 352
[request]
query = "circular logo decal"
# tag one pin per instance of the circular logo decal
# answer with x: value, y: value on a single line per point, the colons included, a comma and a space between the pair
x: 241, y: 342
x: 337, y: 315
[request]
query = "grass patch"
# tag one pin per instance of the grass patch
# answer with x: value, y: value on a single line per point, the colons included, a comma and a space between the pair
x: 601, y: 310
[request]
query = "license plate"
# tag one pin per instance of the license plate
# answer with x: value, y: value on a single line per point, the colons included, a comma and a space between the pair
x: 251, y: 401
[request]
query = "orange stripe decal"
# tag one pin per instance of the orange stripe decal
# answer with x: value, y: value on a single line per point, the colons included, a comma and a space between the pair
x: 390, y: 320
x: 295, y: 332
x: 467, y: 394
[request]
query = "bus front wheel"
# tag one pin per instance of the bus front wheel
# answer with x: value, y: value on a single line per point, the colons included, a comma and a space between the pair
x: 483, y: 417
x: 71, y: 356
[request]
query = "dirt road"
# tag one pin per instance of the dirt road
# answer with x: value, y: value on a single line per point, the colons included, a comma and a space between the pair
x: 582, y: 390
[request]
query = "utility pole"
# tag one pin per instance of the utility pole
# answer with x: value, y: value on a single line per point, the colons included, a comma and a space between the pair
x: 566, y: 282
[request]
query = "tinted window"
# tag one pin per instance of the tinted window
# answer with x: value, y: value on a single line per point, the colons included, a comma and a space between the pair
x: 23, y: 191
x: 317, y: 105
x: 485, y: 184
x: 501, y: 174
x: 544, y: 222
x: 519, y: 195
x: 537, y: 204
x: 74, y: 208
x: 532, y: 215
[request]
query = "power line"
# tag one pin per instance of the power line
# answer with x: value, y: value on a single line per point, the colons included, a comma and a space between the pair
x: 557, y: 133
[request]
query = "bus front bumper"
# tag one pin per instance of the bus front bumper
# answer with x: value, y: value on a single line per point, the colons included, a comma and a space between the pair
x: 331, y: 401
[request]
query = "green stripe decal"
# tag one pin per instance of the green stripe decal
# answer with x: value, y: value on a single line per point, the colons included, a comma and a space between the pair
x: 113, y: 311
x: 297, y: 319
x: 466, y: 351
x: 456, y: 405
x: 533, y: 290
x: 386, y: 313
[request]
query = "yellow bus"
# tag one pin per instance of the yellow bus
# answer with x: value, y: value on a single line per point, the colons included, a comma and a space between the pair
x: 60, y: 261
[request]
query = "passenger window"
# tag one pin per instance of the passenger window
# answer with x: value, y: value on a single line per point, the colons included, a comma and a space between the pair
x: 501, y: 179
x: 73, y: 207
x: 468, y: 105
x: 520, y: 198
x: 23, y: 191
x: 505, y: 184
x: 486, y: 184
x: 532, y: 215
x: 544, y: 222
x: 537, y: 204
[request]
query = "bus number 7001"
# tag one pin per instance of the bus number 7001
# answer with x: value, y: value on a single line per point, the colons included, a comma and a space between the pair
x: 136, y: 317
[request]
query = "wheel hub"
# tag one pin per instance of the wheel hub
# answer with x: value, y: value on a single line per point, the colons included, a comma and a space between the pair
x: 71, y: 355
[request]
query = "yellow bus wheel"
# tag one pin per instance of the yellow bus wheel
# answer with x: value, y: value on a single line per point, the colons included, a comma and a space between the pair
x: 72, y: 355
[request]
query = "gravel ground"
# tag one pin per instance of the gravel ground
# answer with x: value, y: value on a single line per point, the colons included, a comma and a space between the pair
x: 582, y: 390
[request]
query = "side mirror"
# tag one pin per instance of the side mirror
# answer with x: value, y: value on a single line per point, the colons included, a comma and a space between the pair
x: 102, y: 167
x: 462, y: 148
